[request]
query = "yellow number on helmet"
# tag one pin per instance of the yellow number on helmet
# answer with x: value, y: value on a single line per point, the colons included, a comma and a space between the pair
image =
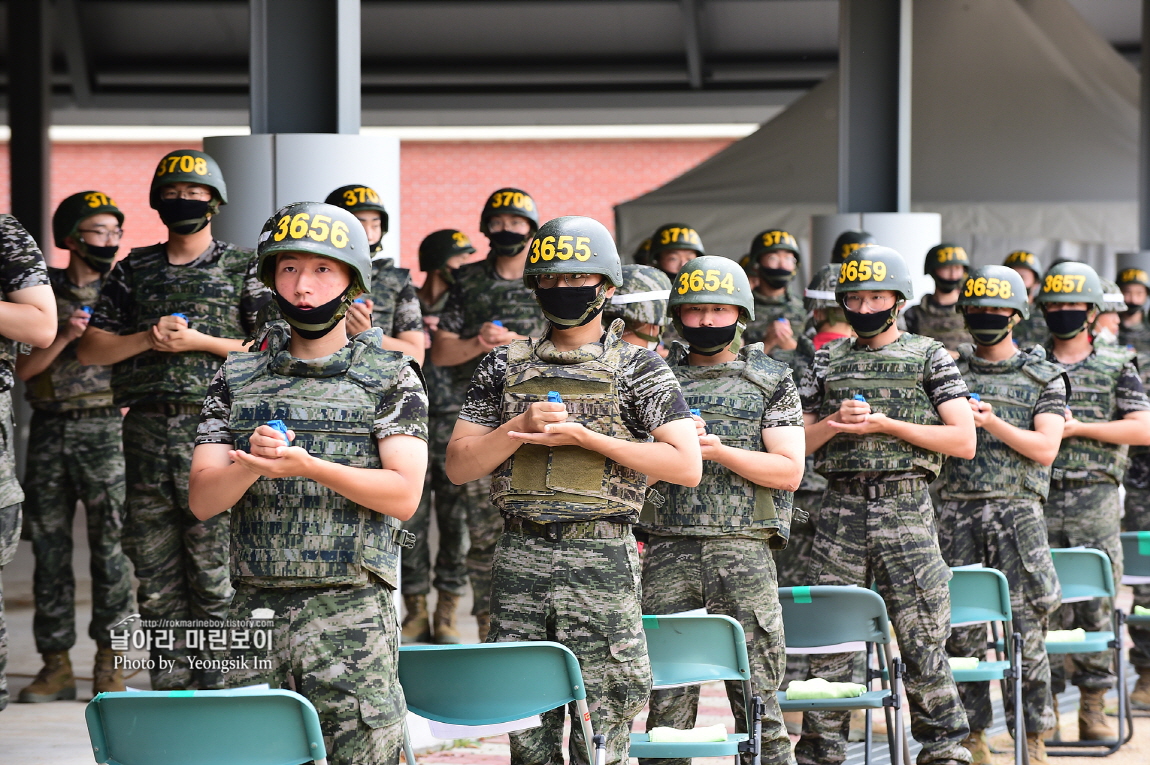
x: 282, y: 230
x: 201, y: 166
x: 547, y: 249
x: 696, y: 281
x: 299, y: 225
x: 728, y: 284
x: 683, y: 282
x: 339, y: 234
x: 583, y: 248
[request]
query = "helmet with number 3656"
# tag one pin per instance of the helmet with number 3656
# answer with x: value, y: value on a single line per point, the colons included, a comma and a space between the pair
x: 319, y: 229
x: 573, y: 244
x: 995, y: 287
x: 874, y: 267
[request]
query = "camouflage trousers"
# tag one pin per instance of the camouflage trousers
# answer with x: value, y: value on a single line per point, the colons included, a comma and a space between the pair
x: 450, y: 503
x: 891, y: 541
x: 791, y: 563
x: 1008, y: 535
x: 583, y: 593
x: 181, y: 562
x: 9, y: 539
x: 1138, y: 519
x: 484, y: 528
x: 1080, y: 514
x: 732, y: 576
x: 339, y: 648
x: 76, y: 457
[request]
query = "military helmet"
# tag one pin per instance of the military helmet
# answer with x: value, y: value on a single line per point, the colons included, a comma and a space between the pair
x: 1112, y: 298
x: 995, y: 286
x: 642, y: 252
x: 509, y: 201
x: 642, y: 299
x: 319, y: 229
x: 712, y: 279
x: 773, y: 239
x: 573, y: 244
x: 188, y: 166
x: 820, y: 293
x: 945, y: 255
x: 1071, y: 282
x: 355, y: 197
x: 440, y: 246
x: 1025, y: 259
x: 1134, y: 268
x: 674, y: 236
x: 874, y: 267
x: 848, y: 242
x: 75, y: 209
x: 750, y: 267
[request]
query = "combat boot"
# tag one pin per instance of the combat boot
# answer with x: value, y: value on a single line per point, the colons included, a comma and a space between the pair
x: 1092, y: 724
x: 55, y: 682
x: 483, y: 621
x: 1036, y: 747
x: 106, y: 676
x: 446, y: 632
x: 979, y: 749
x: 1140, y: 698
x: 416, y: 625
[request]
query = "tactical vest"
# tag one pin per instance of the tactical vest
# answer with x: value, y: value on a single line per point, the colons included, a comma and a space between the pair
x: 1094, y: 398
x: 941, y: 322
x: 1137, y: 336
x: 891, y: 379
x: 1033, y: 331
x: 731, y: 398
x: 288, y: 529
x: 208, y: 294
x: 1013, y: 389
x: 568, y: 483
x: 66, y: 385
x: 387, y: 282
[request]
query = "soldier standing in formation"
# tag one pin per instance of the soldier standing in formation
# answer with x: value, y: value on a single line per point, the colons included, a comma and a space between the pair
x: 882, y: 412
x: 440, y: 254
x: 167, y: 316
x: 935, y: 315
x: 991, y: 513
x: 570, y: 477
x: 75, y: 454
x: 710, y: 546
x: 779, y: 313
x: 1033, y: 331
x: 487, y: 307
x: 1107, y: 412
x: 642, y: 305
x: 334, y: 639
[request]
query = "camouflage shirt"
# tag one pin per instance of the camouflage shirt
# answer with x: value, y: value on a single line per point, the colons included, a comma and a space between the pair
x: 1136, y: 337
x: 942, y: 322
x: 21, y: 267
x: 66, y: 385
x: 442, y: 396
x: 395, y: 308
x: 1130, y: 393
x: 768, y: 310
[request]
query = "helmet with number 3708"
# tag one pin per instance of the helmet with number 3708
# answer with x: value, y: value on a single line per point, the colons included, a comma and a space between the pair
x: 319, y: 229
x: 874, y: 267
x: 1071, y: 282
x: 995, y: 287
x: 188, y: 166
x: 573, y: 244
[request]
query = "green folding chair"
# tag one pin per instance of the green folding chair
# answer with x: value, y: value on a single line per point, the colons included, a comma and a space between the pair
x: 1136, y: 570
x: 241, y: 726
x: 829, y: 619
x: 979, y: 595
x: 691, y: 650
x: 1085, y: 574
x: 493, y: 683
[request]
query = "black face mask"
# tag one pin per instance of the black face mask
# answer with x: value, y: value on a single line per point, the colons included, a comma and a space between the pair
x: 1133, y: 308
x: 946, y: 285
x: 507, y: 243
x: 988, y: 328
x: 870, y: 324
x: 571, y: 306
x: 314, y: 323
x: 1066, y: 324
x: 707, y: 341
x: 776, y: 277
x: 99, y: 258
x: 184, y: 216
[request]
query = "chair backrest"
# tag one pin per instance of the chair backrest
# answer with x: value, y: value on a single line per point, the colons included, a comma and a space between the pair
x: 978, y: 595
x: 1136, y: 553
x: 241, y: 726
x: 488, y: 683
x: 827, y: 616
x: 686, y: 650
x: 1084, y: 573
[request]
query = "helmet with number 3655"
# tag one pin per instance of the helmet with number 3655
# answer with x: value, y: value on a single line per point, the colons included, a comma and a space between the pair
x: 1071, y: 282
x: 995, y: 287
x: 874, y: 267
x: 573, y: 244
x: 319, y: 229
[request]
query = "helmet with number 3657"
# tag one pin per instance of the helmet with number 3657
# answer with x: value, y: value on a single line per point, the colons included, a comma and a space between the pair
x: 1071, y: 282
x: 995, y: 287
x: 573, y: 244
x: 874, y: 267
x: 319, y: 229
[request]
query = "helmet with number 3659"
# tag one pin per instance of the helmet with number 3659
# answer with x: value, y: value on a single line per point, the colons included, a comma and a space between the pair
x: 995, y: 287
x: 874, y: 267
x: 319, y: 229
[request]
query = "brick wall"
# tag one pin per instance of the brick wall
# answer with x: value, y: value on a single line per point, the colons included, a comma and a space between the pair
x: 444, y: 184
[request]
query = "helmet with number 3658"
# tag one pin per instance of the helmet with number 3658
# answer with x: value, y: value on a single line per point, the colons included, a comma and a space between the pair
x: 319, y: 229
x: 995, y: 287
x: 874, y: 267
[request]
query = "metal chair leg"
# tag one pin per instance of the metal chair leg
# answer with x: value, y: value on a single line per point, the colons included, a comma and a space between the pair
x: 408, y: 750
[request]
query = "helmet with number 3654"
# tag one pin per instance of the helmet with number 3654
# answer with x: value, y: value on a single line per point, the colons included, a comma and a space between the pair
x: 712, y: 279
x: 1071, y: 282
x: 319, y: 229
x: 995, y: 287
x: 874, y: 267
x: 573, y: 244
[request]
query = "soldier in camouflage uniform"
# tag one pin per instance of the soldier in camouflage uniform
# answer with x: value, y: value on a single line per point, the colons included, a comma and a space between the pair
x: 335, y: 637
x: 849, y: 241
x: 391, y: 305
x: 991, y: 512
x: 779, y: 313
x: 642, y: 305
x: 1032, y: 331
x: 672, y: 245
x: 570, y: 478
x: 440, y: 254
x: 711, y: 545
x: 487, y: 307
x: 27, y: 318
x: 167, y: 316
x: 1107, y: 412
x: 1134, y: 281
x: 935, y: 315
x: 882, y: 412
x: 75, y: 454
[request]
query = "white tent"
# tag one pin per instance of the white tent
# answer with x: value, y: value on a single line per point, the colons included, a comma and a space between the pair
x: 1024, y: 135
